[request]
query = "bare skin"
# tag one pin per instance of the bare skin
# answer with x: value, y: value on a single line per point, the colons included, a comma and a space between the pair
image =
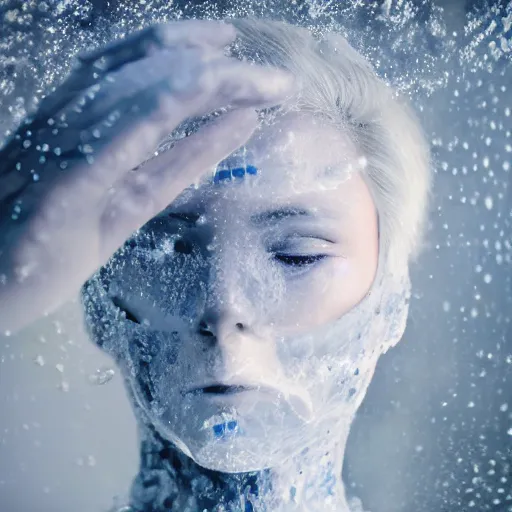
x: 72, y: 187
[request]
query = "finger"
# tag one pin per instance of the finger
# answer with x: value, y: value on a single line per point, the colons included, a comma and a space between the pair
x: 87, y: 85
x: 12, y: 184
x: 120, y: 142
x: 131, y: 79
x: 153, y: 106
x: 82, y: 177
x: 114, y: 142
x: 227, y: 83
x: 144, y: 193
x: 197, y: 33
x: 223, y: 83
x: 75, y: 84
x: 91, y: 72
x: 88, y: 162
x: 107, y: 59
x: 136, y: 46
x: 243, y: 85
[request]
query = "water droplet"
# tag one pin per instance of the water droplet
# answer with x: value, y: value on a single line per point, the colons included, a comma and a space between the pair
x: 102, y: 376
x: 39, y: 360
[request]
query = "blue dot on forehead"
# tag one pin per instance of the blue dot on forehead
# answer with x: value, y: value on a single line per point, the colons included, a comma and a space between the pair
x: 234, y: 173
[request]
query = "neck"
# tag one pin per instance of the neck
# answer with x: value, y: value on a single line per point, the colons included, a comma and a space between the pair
x: 168, y: 480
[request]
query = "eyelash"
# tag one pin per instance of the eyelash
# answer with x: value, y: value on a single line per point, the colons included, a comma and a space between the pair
x: 299, y: 261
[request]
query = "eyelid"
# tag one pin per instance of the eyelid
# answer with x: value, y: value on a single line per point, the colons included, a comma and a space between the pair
x: 304, y: 245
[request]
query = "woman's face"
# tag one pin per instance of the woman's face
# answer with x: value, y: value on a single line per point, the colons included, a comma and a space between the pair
x: 230, y: 293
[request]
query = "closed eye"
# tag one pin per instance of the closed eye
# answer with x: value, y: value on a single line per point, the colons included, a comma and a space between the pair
x: 296, y: 260
x: 189, y: 218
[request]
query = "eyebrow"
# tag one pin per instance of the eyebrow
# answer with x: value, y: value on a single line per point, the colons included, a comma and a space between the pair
x: 261, y: 218
x: 279, y: 214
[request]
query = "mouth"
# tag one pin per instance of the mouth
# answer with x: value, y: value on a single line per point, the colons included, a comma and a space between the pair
x: 220, y: 389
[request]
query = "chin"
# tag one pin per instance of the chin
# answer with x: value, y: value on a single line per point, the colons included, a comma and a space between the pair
x: 236, y: 456
x: 232, y: 439
x: 240, y: 454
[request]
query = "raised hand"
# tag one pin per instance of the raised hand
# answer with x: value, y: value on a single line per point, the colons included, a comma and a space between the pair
x: 72, y: 187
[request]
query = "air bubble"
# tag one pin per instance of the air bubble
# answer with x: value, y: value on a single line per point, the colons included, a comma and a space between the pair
x: 101, y: 376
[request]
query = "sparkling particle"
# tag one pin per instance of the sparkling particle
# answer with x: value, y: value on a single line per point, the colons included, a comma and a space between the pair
x: 102, y: 376
x: 39, y: 360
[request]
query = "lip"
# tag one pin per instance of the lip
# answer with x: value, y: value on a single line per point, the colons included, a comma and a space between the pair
x: 220, y: 389
x: 217, y: 389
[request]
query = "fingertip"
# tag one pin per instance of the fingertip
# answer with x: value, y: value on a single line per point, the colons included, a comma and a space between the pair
x: 228, y: 32
x: 197, y: 32
x: 269, y: 86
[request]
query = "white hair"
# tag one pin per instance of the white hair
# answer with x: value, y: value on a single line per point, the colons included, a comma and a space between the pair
x: 338, y: 83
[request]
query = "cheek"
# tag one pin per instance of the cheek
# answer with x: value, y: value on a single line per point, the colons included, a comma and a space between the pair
x: 159, y: 284
x: 327, y: 292
x: 319, y: 296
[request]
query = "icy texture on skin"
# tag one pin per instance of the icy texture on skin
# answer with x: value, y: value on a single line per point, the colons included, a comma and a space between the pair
x: 334, y: 363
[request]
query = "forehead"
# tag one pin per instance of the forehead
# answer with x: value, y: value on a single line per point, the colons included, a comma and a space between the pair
x: 296, y: 155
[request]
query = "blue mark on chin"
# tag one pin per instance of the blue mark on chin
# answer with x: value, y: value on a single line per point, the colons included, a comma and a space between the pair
x: 222, y: 429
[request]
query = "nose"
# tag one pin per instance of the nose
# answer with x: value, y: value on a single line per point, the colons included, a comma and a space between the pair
x: 229, y: 307
x: 220, y: 325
